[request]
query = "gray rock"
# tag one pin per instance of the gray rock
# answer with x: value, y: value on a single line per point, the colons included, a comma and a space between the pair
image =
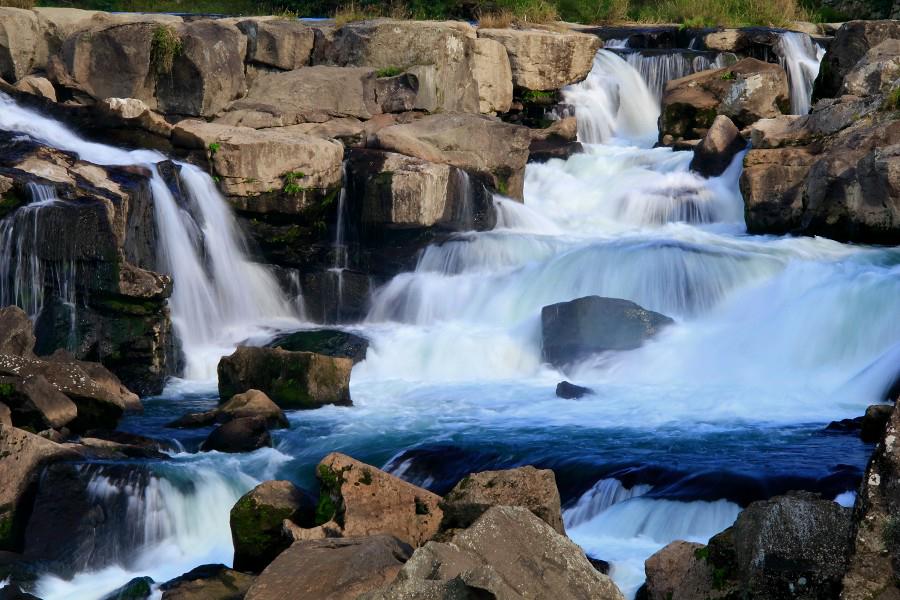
x: 718, y: 148
x: 240, y: 435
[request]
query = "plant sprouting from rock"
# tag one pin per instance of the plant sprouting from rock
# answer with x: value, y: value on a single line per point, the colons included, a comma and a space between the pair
x: 165, y: 47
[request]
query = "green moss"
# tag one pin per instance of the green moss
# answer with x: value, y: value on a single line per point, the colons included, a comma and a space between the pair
x: 257, y: 528
x: 539, y: 97
x: 729, y: 76
x: 214, y: 147
x: 421, y: 507
x: 9, y: 202
x: 702, y: 553
x: 165, y: 47
x: 891, y: 100
x: 331, y: 503
x: 7, y: 533
x: 7, y: 390
x: 503, y: 186
x: 388, y: 72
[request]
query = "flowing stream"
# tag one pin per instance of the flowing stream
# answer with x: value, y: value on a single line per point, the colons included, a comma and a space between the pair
x: 774, y: 337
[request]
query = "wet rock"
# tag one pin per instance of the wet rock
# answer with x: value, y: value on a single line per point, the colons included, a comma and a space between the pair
x: 20, y: 39
x: 507, y: 553
x: 681, y: 571
x: 208, y: 582
x: 438, y: 54
x: 240, y: 435
x: 333, y: 569
x: 546, y: 60
x: 873, y: 567
x: 570, y: 391
x: 851, y: 43
x: 876, y: 72
x: 745, y: 92
x: 35, y: 403
x: 362, y: 500
x: 22, y: 455
x: 772, y: 184
x: 492, y: 71
x: 139, y: 588
x: 718, y: 148
x: 534, y: 489
x: 293, y: 380
x: 14, y: 592
x: 750, y: 40
x: 256, y: 522
x: 130, y: 444
x: 37, y: 86
x: 480, y: 145
x: 600, y: 565
x: 253, y: 403
x: 572, y: 331
x: 559, y: 140
x: 874, y: 422
x: 16, y: 332
x: 280, y: 43
x: 845, y: 426
x: 330, y: 342
x: 332, y: 299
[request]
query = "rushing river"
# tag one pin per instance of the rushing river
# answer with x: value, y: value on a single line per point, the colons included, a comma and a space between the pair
x: 774, y: 338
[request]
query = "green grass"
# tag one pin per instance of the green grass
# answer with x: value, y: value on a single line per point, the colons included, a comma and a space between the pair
x: 165, y: 47
x: 388, y: 72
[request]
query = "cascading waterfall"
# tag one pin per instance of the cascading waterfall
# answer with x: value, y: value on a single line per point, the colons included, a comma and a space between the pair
x: 220, y: 297
x: 800, y: 57
x: 658, y: 68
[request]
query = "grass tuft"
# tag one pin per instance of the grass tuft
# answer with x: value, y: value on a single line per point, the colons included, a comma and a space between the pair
x: 165, y: 47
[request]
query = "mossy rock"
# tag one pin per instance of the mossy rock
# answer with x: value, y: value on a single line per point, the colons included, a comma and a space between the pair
x: 329, y: 342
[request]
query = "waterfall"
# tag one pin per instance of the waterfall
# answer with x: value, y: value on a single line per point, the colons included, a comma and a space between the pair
x: 603, y: 495
x: 339, y: 247
x: 464, y: 212
x: 800, y: 57
x: 658, y: 68
x: 220, y: 297
x: 613, y: 103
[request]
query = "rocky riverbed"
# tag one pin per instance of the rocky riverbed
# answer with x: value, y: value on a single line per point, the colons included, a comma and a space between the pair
x: 415, y: 309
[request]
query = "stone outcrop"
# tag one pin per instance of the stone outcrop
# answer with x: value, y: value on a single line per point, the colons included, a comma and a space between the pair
x: 559, y: 140
x: 572, y: 331
x: 718, y: 148
x: 35, y: 403
x: 534, y: 489
x: 252, y: 403
x: 679, y: 572
x: 280, y: 43
x: 245, y: 434
x: 293, y: 380
x: 37, y: 86
x: 850, y: 45
x: 21, y: 457
x: 491, y: 69
x: 438, y: 54
x: 877, y: 72
x: 498, y: 151
x: 256, y: 522
x: 507, y: 553
x: 207, y: 581
x: 546, y: 60
x: 745, y: 92
x: 16, y: 332
x: 358, y: 499
x: 20, y: 36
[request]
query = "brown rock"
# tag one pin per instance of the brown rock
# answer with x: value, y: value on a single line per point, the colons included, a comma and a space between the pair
x: 5, y: 415
x: 491, y: 69
x: 680, y: 572
x: 35, y: 403
x: 876, y: 72
x: 253, y: 403
x: 280, y: 43
x: 20, y: 40
x: 364, y: 500
x: 772, y: 185
x: 851, y: 43
x: 534, y: 489
x: 240, y: 435
x: 37, y: 86
x: 208, y: 582
x: 718, y: 148
x: 16, y: 332
x: 335, y: 569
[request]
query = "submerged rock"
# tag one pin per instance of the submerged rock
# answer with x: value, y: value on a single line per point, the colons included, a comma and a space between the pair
x: 240, y: 435
x: 256, y: 522
x: 139, y: 588
x: 333, y: 569
x: 293, y: 380
x: 574, y: 330
x: 534, y: 489
x: 208, y: 582
x: 570, y: 391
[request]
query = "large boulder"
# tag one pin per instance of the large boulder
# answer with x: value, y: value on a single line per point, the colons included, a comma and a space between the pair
x: 680, y: 571
x: 546, y: 60
x: 16, y: 332
x: 359, y: 500
x: 497, y: 151
x: 331, y: 569
x: 507, y: 553
x: 745, y: 92
x: 22, y: 455
x: 253, y: 403
x: 534, y: 489
x: 851, y: 43
x: 330, y: 342
x: 207, y: 70
x: 772, y: 184
x: 281, y: 43
x: 256, y: 522
x: 35, y: 403
x: 250, y: 162
x: 877, y: 72
x: 293, y: 380
x: 240, y: 435
x: 438, y: 54
x: 208, y: 582
x: 718, y: 148
x: 873, y: 568
x: 20, y: 43
x: 491, y: 69
x: 574, y: 330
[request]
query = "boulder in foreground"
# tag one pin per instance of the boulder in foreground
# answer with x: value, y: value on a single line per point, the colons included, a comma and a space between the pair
x: 208, y: 582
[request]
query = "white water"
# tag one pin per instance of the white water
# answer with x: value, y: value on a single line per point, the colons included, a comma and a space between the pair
x: 220, y: 297
x: 801, y: 58
x: 657, y: 69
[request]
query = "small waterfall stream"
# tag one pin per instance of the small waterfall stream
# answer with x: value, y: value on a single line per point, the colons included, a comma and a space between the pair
x: 800, y: 57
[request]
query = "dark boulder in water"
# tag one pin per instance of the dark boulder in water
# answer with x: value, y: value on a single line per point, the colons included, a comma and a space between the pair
x: 570, y: 391
x: 875, y: 420
x: 240, y: 435
x: 208, y: 581
x: 718, y: 148
x: 139, y: 588
x: 572, y: 331
x: 13, y: 592
x: 330, y: 342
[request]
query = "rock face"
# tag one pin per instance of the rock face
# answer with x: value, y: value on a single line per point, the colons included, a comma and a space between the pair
x: 745, y: 92
x: 718, y: 148
x: 534, y: 489
x: 279, y: 43
x: 35, y: 403
x: 874, y: 422
x: 363, y: 500
x: 293, y: 380
x: 438, y: 54
x: 19, y: 43
x: 240, y: 435
x: 851, y: 43
x: 480, y: 145
x: 677, y: 572
x: 16, y: 332
x: 574, y: 330
x: 21, y: 457
x: 207, y: 582
x: 507, y: 553
x: 546, y: 60
x: 876, y: 72
x: 256, y: 522
x: 333, y: 569
x: 874, y: 557
x: 491, y: 69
